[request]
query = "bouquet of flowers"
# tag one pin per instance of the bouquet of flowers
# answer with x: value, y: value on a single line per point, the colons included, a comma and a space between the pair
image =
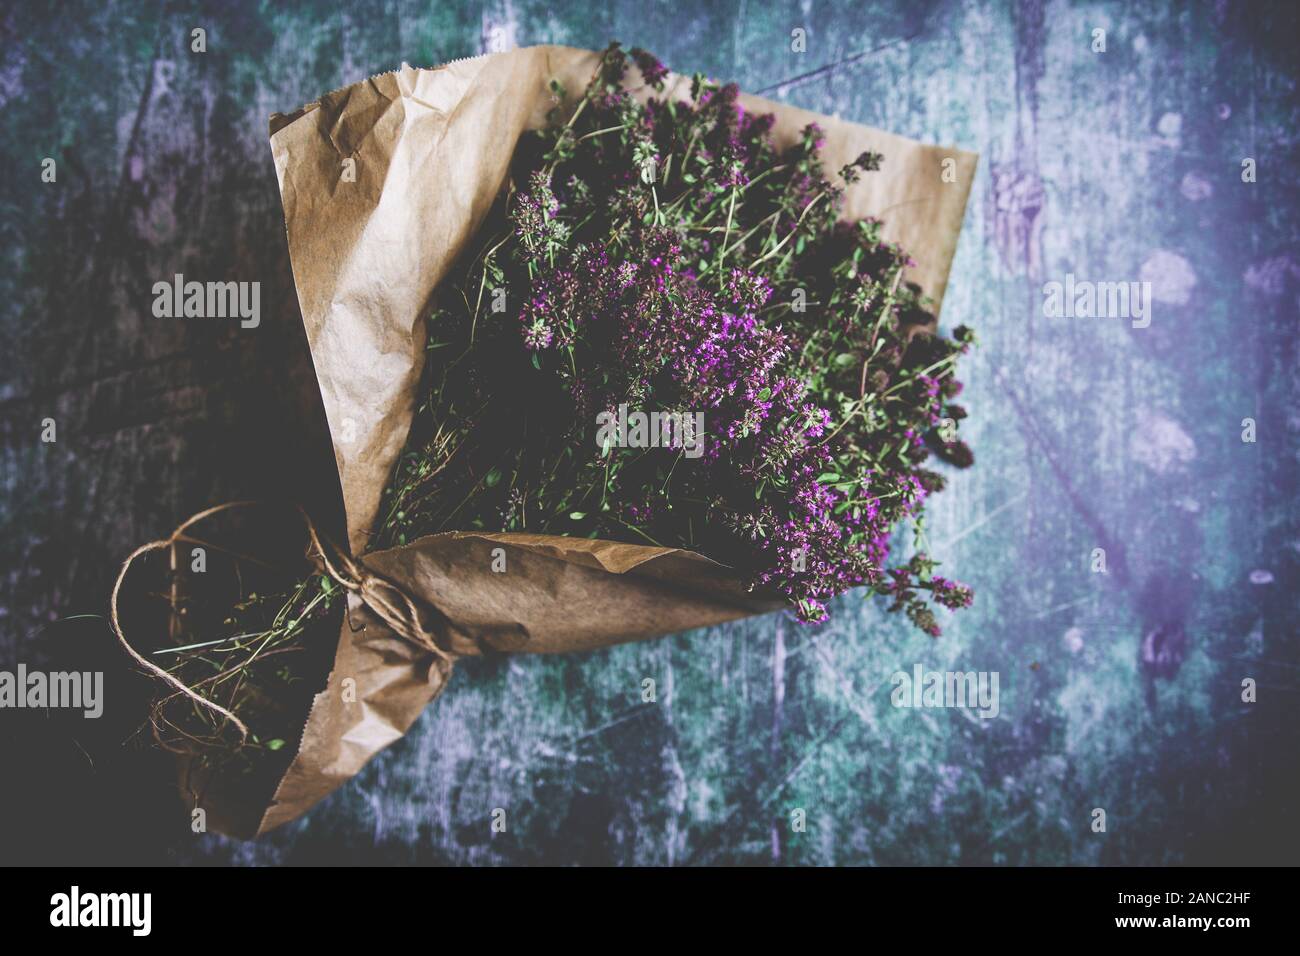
x: 664, y: 378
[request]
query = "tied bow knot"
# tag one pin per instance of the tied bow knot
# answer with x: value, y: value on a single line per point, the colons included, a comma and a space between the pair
x: 390, y: 603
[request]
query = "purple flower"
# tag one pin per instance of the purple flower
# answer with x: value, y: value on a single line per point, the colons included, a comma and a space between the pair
x: 537, y: 335
x: 652, y: 71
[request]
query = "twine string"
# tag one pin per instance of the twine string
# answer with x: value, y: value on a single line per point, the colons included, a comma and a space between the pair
x: 386, y: 600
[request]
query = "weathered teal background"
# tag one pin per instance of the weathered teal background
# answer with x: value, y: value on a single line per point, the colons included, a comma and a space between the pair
x: 1115, y: 166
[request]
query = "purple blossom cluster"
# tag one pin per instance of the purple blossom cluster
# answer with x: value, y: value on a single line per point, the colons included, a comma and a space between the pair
x: 725, y: 284
x: 651, y: 331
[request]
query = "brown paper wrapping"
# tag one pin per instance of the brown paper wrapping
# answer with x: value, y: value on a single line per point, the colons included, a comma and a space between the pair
x: 430, y: 152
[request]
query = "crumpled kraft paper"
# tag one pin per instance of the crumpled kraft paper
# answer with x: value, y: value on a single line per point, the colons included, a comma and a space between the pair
x: 383, y: 184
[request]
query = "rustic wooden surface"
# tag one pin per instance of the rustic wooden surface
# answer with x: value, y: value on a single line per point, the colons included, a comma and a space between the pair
x: 1115, y: 166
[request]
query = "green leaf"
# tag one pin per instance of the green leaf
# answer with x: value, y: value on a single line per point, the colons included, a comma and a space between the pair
x: 492, y: 477
x: 827, y: 477
x: 274, y: 744
x: 845, y: 359
x: 577, y: 515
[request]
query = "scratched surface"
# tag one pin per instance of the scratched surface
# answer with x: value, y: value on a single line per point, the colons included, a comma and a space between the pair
x: 1119, y: 690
